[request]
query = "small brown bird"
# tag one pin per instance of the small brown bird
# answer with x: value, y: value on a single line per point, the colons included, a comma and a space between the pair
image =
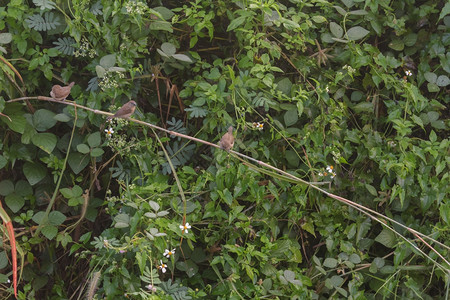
x: 125, y: 111
x: 60, y: 93
x: 227, y: 141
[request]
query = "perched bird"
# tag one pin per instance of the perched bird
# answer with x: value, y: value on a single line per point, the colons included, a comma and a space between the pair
x: 125, y: 111
x: 60, y: 93
x: 227, y: 141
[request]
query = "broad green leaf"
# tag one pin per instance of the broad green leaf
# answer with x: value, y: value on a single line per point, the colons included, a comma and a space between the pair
x: 292, y: 158
x: 386, y: 238
x: 166, y: 13
x: 445, y: 11
x: 43, y: 120
x: 442, y: 81
x: 397, y: 45
x: 108, y: 61
x: 56, y: 218
x: 289, y: 275
x: 100, y: 71
x: 161, y: 25
x: 155, y: 206
x: 94, y: 139
x: 3, y: 161
x: 23, y: 188
x: 5, y: 38
x: 371, y: 190
x: 6, y: 187
x: 78, y: 162
x: 122, y: 221
x: 319, y: 19
x: 62, y: 118
x: 330, y: 263
x: 182, y: 57
x: 430, y: 77
x: 336, y: 30
x: 340, y: 10
x: 83, y: 148
x: 14, y: 202
x: 18, y: 122
x: 45, y: 141
x: 96, y: 152
x: 49, y: 231
x: 34, y: 172
x: 290, y: 117
x: 285, y: 86
x: 3, y: 263
x: 236, y: 22
x: 168, y: 49
x: 358, y: 12
x: 38, y: 217
x: 356, y: 33
x: 433, y: 87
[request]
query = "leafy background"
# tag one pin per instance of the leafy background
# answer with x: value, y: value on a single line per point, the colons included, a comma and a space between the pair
x: 361, y: 86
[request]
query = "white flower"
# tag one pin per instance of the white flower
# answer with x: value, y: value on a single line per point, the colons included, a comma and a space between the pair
x: 184, y: 228
x: 408, y: 72
x: 109, y: 131
x: 168, y: 253
x: 162, y: 266
x: 330, y: 169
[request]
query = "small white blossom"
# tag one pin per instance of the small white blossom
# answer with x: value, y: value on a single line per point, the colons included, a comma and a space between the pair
x: 168, y: 253
x: 162, y: 266
x: 184, y: 228
x: 408, y: 73
x: 109, y: 131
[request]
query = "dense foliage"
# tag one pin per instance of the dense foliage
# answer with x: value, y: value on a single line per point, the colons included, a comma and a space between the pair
x: 351, y: 95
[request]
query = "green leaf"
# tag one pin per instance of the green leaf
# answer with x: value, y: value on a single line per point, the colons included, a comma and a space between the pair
x: 319, y: 19
x: 17, y: 122
x: 6, y: 187
x: 386, y: 238
x: 122, y: 221
x: 289, y: 275
x: 182, y: 57
x: 108, y: 61
x: 5, y: 38
x: 39, y: 23
x: 336, y: 30
x: 166, y: 13
x: 96, y: 152
x: 236, y: 22
x: 330, y: 263
x: 430, y: 77
x: 356, y: 33
x: 34, y: 172
x: 65, y: 45
x: 14, y: 202
x: 290, y: 117
x: 83, y: 148
x: 3, y: 263
x: 44, y: 4
x: 62, y: 118
x: 445, y: 11
x: 45, y: 141
x: 3, y: 161
x: 433, y: 87
x: 94, y: 139
x: 340, y: 10
x: 43, y: 120
x: 397, y: 45
x: 442, y: 81
x: 78, y: 162
x: 49, y: 231
x: 56, y: 218
x: 371, y: 190
x: 168, y: 49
